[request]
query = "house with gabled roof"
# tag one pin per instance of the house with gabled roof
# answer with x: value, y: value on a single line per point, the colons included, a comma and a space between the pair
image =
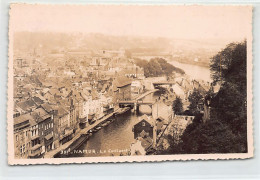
x: 22, y: 135
x: 45, y: 127
x: 145, y: 127
x: 26, y: 106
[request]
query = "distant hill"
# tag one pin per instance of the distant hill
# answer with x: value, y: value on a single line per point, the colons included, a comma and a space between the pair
x: 189, y: 51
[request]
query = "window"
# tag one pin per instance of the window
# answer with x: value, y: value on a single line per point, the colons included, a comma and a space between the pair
x: 26, y: 133
x: 143, y: 123
x: 17, y: 137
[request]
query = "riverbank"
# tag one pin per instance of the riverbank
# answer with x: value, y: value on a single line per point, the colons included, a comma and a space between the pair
x: 85, y: 134
x: 79, y: 135
x: 194, y: 71
x: 194, y: 63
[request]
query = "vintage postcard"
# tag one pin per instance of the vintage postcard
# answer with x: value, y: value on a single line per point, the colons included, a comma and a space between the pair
x: 129, y: 83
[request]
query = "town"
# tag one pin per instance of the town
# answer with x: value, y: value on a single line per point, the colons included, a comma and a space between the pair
x: 62, y: 98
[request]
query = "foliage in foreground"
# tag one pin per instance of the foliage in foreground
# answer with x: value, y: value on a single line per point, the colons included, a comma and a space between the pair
x: 226, y: 130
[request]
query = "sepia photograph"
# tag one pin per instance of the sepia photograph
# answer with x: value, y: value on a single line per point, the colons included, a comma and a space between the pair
x: 129, y: 83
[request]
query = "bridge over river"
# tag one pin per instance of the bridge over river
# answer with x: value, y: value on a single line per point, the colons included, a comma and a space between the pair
x: 135, y: 103
x: 163, y: 83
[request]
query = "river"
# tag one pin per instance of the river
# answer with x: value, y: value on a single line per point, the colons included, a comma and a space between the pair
x: 116, y: 138
x: 194, y: 71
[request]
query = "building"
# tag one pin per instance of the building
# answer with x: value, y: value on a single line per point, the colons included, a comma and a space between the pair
x: 72, y: 104
x: 145, y: 134
x: 163, y: 110
x: 132, y: 71
x: 36, y: 146
x: 140, y: 146
x: 26, y: 106
x: 179, y: 91
x: 22, y: 135
x: 136, y: 87
x: 145, y: 127
x: 45, y: 128
x: 91, y: 106
x: 107, y: 103
x: 122, y: 89
x: 64, y: 131
x: 113, y: 53
x: 99, y: 62
x: 161, y: 124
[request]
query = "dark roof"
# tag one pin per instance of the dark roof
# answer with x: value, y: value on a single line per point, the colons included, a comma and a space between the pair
x: 121, y: 81
x: 34, y: 79
x: 47, y: 107
x: 27, y: 105
x: 62, y: 111
x: 37, y: 100
x: 146, y: 118
x: 23, y: 118
x: 40, y: 115
x: 161, y: 119
x: 23, y: 121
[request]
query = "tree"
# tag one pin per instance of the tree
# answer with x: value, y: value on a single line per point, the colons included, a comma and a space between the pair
x: 194, y: 98
x: 229, y: 65
x: 226, y: 130
x: 210, y: 137
x: 177, y: 106
x: 157, y: 67
x: 153, y: 69
x: 229, y: 105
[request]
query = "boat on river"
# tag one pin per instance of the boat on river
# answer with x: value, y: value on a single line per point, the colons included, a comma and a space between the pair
x: 97, y: 128
x: 122, y: 110
x: 105, y: 123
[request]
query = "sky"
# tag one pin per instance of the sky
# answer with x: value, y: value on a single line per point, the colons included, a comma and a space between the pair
x: 188, y: 22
